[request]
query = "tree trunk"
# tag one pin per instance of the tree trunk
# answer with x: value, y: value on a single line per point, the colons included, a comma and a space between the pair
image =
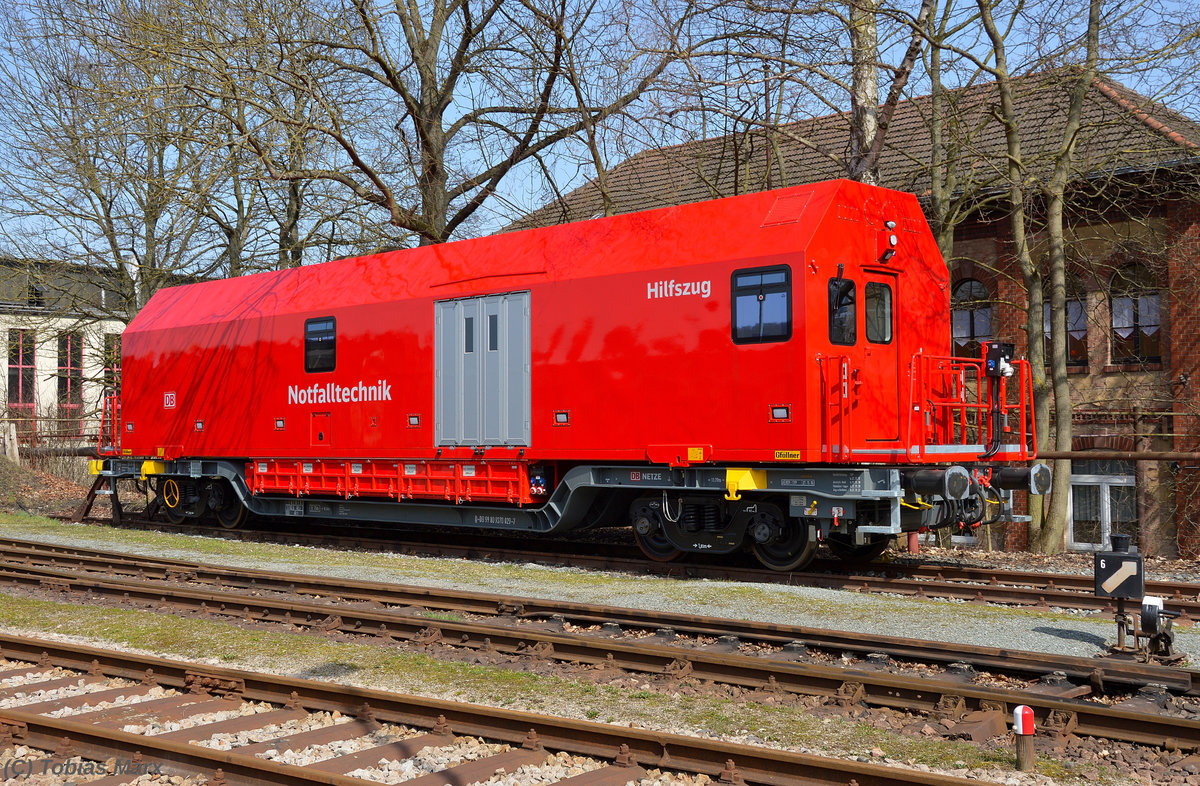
x: 864, y: 93
x: 291, y: 253
x: 1054, y: 532
x: 1030, y: 273
x: 435, y: 200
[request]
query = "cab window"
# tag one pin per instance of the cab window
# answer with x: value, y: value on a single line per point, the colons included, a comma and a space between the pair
x: 762, y: 305
x: 878, y: 312
x: 320, y: 344
x: 843, y: 312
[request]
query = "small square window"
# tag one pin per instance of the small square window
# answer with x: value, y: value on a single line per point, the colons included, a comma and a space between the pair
x: 320, y: 344
x: 762, y: 305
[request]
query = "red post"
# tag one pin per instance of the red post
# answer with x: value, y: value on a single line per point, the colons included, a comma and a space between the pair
x: 1023, y: 736
x: 914, y: 543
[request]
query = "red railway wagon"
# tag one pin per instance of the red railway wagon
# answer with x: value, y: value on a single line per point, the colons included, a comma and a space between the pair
x: 765, y: 370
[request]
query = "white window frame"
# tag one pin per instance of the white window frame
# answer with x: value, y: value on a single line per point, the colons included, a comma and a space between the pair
x: 1105, y: 482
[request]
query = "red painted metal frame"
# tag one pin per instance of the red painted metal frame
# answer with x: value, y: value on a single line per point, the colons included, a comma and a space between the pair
x: 453, y: 481
x: 646, y: 379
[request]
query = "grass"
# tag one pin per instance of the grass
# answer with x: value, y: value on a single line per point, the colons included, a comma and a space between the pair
x: 444, y: 616
x: 410, y: 672
x: 98, y: 536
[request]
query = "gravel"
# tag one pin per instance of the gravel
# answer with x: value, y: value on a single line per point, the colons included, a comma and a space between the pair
x: 317, y: 720
x: 315, y: 753
x: 135, y: 697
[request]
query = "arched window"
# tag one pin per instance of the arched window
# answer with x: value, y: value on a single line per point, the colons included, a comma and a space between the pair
x: 970, y: 318
x: 1136, y: 333
x: 1076, y: 324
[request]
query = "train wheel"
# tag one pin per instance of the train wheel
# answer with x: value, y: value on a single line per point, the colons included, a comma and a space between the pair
x: 228, y: 509
x: 779, y: 544
x: 845, y: 549
x: 232, y: 515
x: 170, y: 500
x: 651, y: 539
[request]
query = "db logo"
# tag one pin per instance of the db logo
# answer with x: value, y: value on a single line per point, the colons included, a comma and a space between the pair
x: 169, y: 400
x: 635, y: 476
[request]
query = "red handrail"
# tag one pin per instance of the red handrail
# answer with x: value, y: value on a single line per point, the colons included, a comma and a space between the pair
x: 950, y: 401
x: 835, y: 395
x: 109, y: 441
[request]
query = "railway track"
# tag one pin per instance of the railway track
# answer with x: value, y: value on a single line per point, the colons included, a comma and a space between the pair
x: 979, y: 585
x: 99, y: 694
x: 1103, y: 675
x: 671, y: 647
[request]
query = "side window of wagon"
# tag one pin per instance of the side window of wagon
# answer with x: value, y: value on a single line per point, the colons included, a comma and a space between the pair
x: 878, y: 308
x: 843, y: 312
x: 762, y: 305
x: 320, y: 344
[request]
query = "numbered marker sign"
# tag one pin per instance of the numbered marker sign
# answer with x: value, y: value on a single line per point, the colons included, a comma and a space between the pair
x: 1119, y: 575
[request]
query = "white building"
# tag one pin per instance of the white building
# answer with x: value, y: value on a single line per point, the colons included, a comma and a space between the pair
x: 63, y: 349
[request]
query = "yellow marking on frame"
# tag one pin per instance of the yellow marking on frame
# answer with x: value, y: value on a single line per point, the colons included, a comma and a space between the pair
x: 695, y: 454
x: 739, y: 479
x: 153, y: 468
x: 95, y: 466
x: 787, y: 455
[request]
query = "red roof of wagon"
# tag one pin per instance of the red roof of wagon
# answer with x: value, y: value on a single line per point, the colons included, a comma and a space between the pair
x: 654, y: 239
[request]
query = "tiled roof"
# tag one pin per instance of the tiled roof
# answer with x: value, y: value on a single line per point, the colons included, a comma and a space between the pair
x: 1120, y: 129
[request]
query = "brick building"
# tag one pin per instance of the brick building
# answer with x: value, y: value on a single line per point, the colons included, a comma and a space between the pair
x: 1133, y: 314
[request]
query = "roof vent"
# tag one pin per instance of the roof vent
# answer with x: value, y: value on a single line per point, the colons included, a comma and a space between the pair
x: 787, y: 209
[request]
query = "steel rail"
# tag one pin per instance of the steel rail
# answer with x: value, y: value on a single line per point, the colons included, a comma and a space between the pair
x: 1185, y: 594
x: 648, y: 748
x: 832, y: 684
x: 1101, y: 674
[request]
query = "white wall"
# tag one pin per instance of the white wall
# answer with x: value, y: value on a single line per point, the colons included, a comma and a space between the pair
x: 47, y: 330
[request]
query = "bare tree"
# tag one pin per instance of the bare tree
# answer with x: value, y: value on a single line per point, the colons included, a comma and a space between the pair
x: 470, y: 89
x: 776, y: 68
x: 103, y: 155
x: 1039, y: 182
